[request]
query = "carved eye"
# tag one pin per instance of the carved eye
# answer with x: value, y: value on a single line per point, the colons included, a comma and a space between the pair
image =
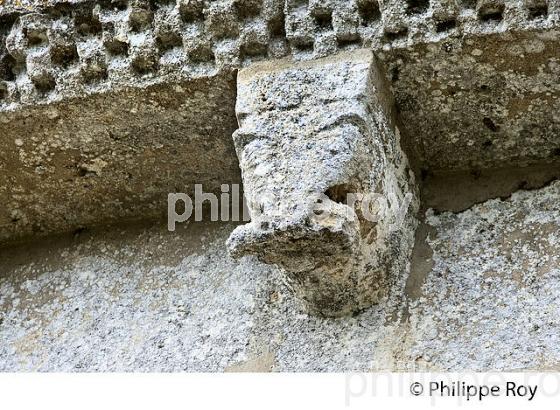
x: 241, y: 117
x: 243, y: 138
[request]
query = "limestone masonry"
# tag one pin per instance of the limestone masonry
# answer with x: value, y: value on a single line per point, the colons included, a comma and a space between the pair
x: 446, y: 112
x: 319, y: 133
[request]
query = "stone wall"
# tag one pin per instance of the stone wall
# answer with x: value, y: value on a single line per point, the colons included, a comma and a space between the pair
x: 483, y: 295
x: 108, y: 106
x: 475, y: 86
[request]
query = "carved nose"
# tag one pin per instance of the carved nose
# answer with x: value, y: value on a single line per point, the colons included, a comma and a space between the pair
x: 289, y: 240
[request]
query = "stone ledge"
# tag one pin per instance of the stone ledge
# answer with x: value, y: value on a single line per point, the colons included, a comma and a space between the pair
x: 114, y: 157
x: 56, y: 49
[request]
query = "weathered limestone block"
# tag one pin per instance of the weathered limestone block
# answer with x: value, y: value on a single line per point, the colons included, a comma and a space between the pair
x: 331, y: 196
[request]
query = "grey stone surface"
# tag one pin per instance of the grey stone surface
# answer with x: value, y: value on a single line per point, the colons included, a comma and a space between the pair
x: 483, y: 295
x: 492, y: 297
x: 475, y: 84
x: 107, y: 106
x: 481, y: 102
x: 490, y: 67
x: 55, y: 46
x: 321, y: 159
x: 150, y: 300
x: 60, y: 49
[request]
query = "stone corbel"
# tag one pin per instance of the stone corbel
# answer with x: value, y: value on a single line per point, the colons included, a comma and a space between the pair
x: 331, y: 196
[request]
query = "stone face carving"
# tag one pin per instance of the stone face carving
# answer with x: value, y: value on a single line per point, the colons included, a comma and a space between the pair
x: 330, y: 193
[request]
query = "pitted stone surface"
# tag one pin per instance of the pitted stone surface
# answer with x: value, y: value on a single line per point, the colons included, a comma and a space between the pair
x: 106, y: 106
x: 56, y: 49
x: 59, y: 50
x: 469, y: 104
x: 311, y: 137
x: 115, y: 156
x: 148, y: 300
x: 475, y: 83
x: 492, y: 299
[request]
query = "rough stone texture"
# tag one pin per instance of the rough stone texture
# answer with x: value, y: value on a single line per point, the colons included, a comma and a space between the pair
x: 106, y: 106
x: 482, y: 65
x: 311, y: 135
x: 113, y: 156
x: 483, y: 295
x: 458, y: 191
x: 475, y: 83
x: 480, y: 102
x: 150, y: 300
x: 492, y: 298
x: 64, y: 49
